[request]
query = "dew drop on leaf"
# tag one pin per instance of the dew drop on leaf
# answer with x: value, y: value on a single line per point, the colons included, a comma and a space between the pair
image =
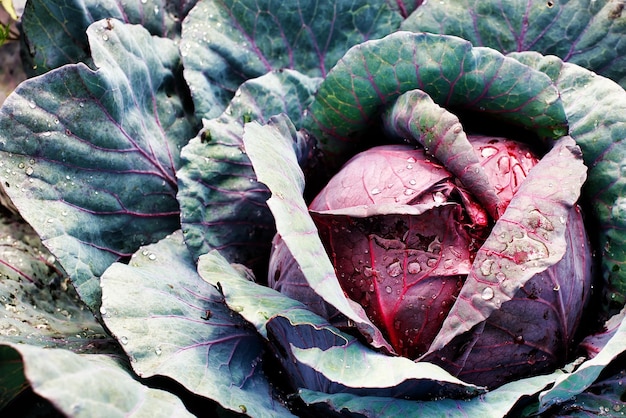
x: 157, y: 351
x: 375, y: 191
x: 388, y: 289
x: 414, y: 268
x: 124, y: 340
x: 394, y: 269
x: 487, y: 293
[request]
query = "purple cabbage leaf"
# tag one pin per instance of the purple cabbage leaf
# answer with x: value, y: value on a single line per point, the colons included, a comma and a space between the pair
x: 598, y: 125
x: 310, y: 349
x: 583, y: 32
x: 92, y: 155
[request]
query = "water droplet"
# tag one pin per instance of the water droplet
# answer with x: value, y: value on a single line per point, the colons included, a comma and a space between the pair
x: 388, y: 289
x: 408, y: 192
x: 439, y: 197
x: 500, y: 276
x: 557, y: 287
x: 237, y: 308
x: 412, y: 182
x: 157, y: 351
x: 81, y: 104
x: 367, y: 272
x: 152, y: 256
x: 21, y: 165
x: 375, y: 191
x: 32, y: 105
x: 447, y: 264
x: 432, y: 262
x: 144, y: 1
x: 411, y: 160
x: 124, y: 340
x: 409, y: 166
x: 103, y: 311
x: 487, y: 293
x: 105, y: 37
x: 488, y: 152
x: 414, y: 268
x: 394, y: 269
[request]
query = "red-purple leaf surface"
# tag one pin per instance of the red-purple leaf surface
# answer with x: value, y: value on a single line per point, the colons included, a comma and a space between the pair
x: 526, y: 240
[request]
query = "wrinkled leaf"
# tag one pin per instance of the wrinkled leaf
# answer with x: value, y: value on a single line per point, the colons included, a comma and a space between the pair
x: 598, y: 125
x: 222, y: 205
x: 40, y: 305
x: 172, y: 323
x: 227, y: 42
x: 526, y: 240
x: 298, y: 334
x: 448, y: 69
x: 56, y: 31
x: 493, y: 404
x: 265, y: 146
x: 416, y: 117
x: 92, y: 385
x: 571, y: 384
x: 254, y: 302
x: 91, y: 156
x: 585, y: 32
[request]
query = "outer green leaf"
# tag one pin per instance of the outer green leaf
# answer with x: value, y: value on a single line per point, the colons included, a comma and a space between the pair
x: 91, y: 156
x: 40, y: 306
x: 56, y: 30
x: 315, y: 354
x: 172, y: 323
x: 571, y: 384
x: 494, y: 404
x: 222, y: 205
x: 92, y: 385
x: 446, y: 68
x: 227, y: 42
x: 596, y: 110
x: 585, y: 32
x: 265, y: 146
x: 255, y: 302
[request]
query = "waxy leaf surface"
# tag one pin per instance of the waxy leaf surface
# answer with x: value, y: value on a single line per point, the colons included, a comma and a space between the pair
x: 61, y: 26
x: 227, y: 42
x: 589, y: 33
x: 172, y: 323
x: 92, y: 385
x: 448, y: 69
x: 528, y: 239
x: 91, y: 156
x: 222, y: 205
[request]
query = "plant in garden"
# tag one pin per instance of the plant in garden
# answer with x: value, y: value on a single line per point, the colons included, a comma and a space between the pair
x: 166, y: 155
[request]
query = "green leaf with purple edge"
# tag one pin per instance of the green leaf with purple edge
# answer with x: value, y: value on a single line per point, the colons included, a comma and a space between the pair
x: 222, y: 205
x: 448, y: 69
x: 598, y: 125
x: 296, y: 333
x: 414, y: 116
x: 91, y: 156
x: 585, y: 32
x: 526, y: 240
x: 61, y: 26
x: 172, y: 323
x: 227, y: 42
x: 494, y: 404
x: 92, y: 385
x: 265, y: 145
